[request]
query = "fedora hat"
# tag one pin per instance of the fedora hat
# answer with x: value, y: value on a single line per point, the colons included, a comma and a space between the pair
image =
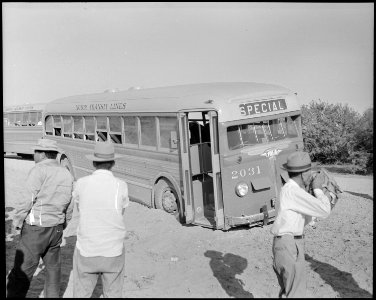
x: 46, y: 145
x: 103, y: 152
x: 297, y: 162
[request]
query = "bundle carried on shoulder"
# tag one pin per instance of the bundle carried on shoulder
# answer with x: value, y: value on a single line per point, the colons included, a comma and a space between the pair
x: 330, y: 187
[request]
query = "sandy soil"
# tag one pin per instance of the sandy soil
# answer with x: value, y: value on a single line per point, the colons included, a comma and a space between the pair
x: 168, y: 259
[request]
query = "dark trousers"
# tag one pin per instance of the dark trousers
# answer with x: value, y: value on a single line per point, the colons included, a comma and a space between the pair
x: 35, y: 243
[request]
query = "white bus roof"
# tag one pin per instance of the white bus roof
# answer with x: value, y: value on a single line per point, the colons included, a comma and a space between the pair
x: 25, y: 107
x: 229, y: 99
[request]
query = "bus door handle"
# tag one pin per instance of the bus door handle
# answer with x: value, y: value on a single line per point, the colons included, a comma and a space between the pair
x: 174, y: 140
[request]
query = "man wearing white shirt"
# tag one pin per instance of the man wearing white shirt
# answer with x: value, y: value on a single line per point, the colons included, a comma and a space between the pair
x: 101, y: 199
x: 297, y: 207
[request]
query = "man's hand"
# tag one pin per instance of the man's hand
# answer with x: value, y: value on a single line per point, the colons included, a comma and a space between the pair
x: 17, y: 226
x: 11, y: 232
x: 333, y: 198
x: 318, y: 181
x: 63, y: 242
x: 313, y: 222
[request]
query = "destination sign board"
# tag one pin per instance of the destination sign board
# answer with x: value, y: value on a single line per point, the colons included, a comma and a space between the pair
x: 101, y: 106
x: 260, y: 107
x: 20, y: 107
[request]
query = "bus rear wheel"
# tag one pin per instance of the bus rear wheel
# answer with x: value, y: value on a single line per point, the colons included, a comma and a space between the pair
x: 165, y: 198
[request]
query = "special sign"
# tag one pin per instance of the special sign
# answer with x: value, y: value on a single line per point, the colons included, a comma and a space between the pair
x: 254, y: 108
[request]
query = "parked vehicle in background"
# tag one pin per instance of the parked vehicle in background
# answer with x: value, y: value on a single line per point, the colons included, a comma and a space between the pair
x: 22, y: 127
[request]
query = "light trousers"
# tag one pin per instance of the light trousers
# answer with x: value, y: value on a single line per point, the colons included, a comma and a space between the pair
x: 289, y: 266
x: 86, y: 271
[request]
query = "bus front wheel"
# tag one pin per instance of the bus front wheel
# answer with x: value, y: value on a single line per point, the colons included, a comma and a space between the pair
x: 165, y: 198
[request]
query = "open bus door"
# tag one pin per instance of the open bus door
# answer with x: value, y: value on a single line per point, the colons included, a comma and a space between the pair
x: 201, y: 168
x: 217, y: 179
x: 185, y: 167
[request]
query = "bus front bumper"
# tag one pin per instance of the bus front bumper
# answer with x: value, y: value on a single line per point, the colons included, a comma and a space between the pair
x: 243, y: 220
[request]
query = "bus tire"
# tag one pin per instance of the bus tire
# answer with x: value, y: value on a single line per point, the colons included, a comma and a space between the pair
x: 165, y: 198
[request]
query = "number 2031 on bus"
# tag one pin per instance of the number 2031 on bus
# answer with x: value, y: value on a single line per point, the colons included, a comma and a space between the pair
x: 236, y: 174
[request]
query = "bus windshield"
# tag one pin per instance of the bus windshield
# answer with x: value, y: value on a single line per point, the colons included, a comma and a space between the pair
x: 240, y: 136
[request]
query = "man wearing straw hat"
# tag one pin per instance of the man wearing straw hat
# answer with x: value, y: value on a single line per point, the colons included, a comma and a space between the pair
x: 42, y: 218
x: 297, y: 207
x: 101, y: 199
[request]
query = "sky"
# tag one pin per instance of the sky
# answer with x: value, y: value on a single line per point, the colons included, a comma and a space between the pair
x: 322, y: 51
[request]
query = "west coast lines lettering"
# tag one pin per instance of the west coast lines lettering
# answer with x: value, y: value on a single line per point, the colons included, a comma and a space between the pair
x: 101, y: 106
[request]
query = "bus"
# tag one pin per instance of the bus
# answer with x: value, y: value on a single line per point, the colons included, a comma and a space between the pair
x: 23, y: 126
x: 209, y: 154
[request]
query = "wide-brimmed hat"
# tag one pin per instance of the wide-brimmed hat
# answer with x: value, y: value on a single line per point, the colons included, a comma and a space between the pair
x: 46, y: 145
x: 297, y: 162
x: 103, y: 152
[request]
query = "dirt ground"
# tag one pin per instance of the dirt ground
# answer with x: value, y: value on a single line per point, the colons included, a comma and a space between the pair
x: 167, y: 259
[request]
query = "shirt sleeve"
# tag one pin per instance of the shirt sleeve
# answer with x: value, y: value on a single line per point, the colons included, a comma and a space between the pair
x: 75, y: 192
x: 69, y: 211
x: 34, y: 183
x: 307, y: 219
x: 307, y: 204
x: 125, y: 196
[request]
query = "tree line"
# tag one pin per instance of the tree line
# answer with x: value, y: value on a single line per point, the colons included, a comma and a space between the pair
x: 335, y: 134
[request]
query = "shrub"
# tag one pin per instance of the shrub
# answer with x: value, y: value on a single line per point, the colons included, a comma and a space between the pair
x: 329, y: 131
x: 364, y: 138
x: 336, y: 134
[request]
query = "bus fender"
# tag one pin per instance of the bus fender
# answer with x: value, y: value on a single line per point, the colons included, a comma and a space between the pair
x: 168, y: 177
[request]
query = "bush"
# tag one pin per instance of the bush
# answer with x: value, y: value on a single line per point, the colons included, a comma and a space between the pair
x: 359, y: 162
x: 337, y: 134
x: 364, y: 138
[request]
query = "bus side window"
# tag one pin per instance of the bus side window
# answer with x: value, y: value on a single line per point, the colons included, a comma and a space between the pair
x: 101, y: 129
x: 18, y: 119
x: 89, y: 128
x: 33, y: 118
x: 39, y: 118
x: 148, y: 131
x: 12, y: 119
x: 25, y: 119
x: 131, y: 131
x: 166, y: 126
x: 67, y: 126
x: 6, y: 119
x: 115, y: 130
x: 78, y: 127
x: 49, y: 125
x: 57, y: 125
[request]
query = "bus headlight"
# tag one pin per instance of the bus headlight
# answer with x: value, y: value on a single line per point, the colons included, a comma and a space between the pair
x: 241, y: 189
